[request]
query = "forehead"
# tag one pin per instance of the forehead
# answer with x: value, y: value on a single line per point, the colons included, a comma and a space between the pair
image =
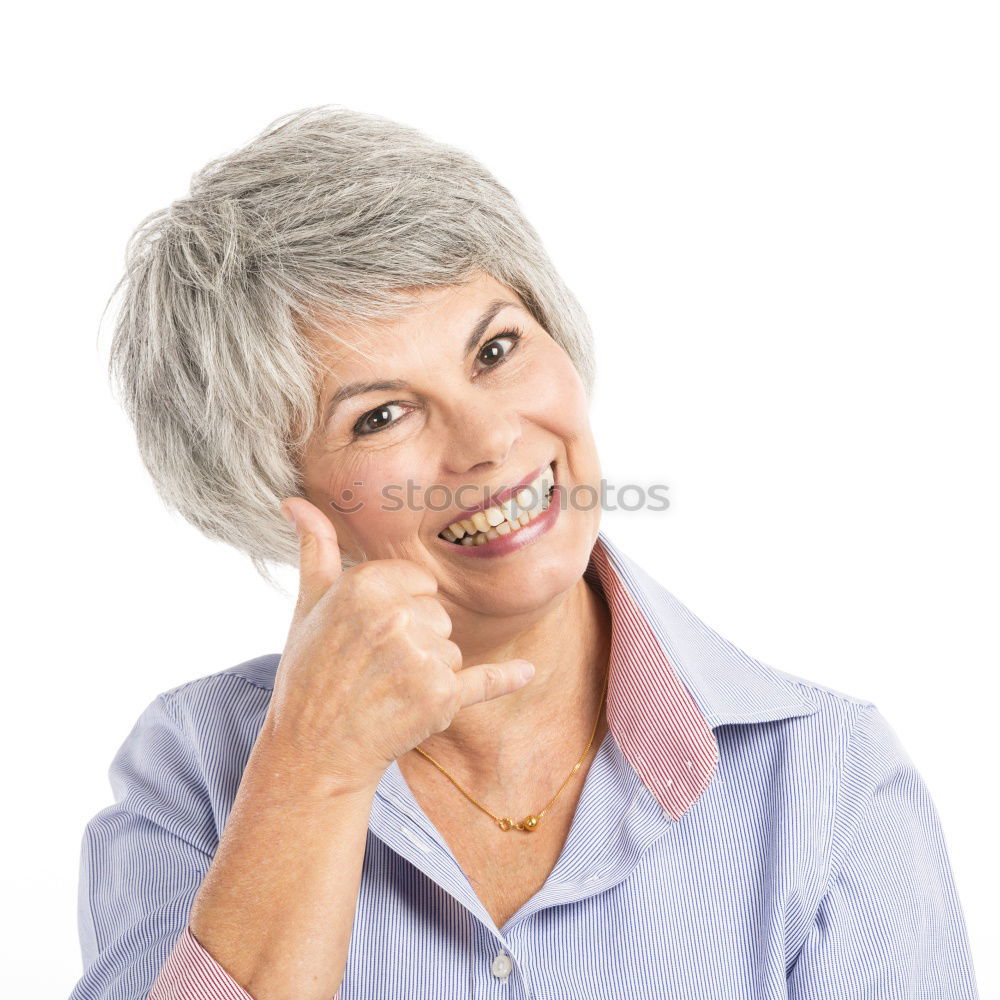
x: 445, y: 311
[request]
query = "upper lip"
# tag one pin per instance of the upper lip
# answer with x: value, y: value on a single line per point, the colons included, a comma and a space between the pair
x: 500, y: 496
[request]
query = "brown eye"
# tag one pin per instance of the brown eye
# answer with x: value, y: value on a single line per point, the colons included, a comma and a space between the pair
x: 492, y: 354
x: 375, y: 420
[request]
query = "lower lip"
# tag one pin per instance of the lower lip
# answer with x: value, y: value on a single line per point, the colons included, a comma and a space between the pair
x: 505, y: 544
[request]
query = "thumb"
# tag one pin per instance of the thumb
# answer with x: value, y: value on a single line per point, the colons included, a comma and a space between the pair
x: 320, y: 563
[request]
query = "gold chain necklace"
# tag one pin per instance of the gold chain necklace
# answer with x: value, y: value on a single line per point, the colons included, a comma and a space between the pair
x: 531, y: 821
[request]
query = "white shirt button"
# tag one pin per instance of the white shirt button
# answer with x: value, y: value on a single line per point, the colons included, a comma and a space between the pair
x: 502, y: 966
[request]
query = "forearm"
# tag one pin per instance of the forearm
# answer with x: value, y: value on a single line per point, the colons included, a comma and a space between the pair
x: 276, y: 907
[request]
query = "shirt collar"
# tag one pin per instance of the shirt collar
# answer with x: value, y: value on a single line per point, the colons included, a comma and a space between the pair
x: 673, y: 680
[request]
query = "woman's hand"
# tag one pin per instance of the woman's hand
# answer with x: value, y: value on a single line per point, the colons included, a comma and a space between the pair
x: 368, y: 671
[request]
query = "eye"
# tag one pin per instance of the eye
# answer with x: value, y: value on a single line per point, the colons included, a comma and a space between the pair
x: 375, y: 420
x: 491, y: 355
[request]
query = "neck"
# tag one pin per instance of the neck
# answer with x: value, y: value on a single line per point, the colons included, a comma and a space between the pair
x: 501, y: 744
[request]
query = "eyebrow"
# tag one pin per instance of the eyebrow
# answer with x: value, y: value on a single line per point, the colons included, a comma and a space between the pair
x: 391, y: 385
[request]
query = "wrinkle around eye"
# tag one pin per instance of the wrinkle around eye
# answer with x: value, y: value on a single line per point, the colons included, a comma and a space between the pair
x: 356, y: 430
x: 516, y: 337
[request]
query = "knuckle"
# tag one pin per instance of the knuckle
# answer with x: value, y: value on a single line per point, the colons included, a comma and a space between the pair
x: 365, y: 569
x: 441, y: 692
x: 492, y: 679
x: 400, y: 619
x: 434, y: 614
x: 392, y: 623
x: 367, y: 576
x: 451, y: 654
x: 446, y: 623
x: 419, y: 656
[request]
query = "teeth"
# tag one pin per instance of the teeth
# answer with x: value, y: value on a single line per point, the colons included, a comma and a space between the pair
x: 494, y: 515
x: 512, y: 514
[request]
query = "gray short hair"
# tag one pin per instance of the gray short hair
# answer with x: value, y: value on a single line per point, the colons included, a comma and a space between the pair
x: 328, y: 212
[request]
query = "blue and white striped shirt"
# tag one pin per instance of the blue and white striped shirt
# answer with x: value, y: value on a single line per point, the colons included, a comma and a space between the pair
x: 741, y: 833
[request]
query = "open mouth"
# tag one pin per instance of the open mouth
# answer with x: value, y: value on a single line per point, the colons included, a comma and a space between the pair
x: 505, y: 518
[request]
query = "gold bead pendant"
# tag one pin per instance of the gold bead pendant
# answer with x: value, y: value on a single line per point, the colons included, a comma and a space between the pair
x: 527, y: 824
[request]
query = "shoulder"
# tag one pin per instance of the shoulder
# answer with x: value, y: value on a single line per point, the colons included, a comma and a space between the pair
x: 843, y: 735
x: 728, y: 683
x: 823, y: 698
x: 814, y: 726
x: 190, y: 745
x: 220, y: 714
x: 834, y: 717
x: 251, y: 680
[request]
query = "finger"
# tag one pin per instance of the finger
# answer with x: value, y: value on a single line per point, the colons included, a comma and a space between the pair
x: 431, y: 614
x: 443, y: 650
x: 401, y: 576
x: 410, y: 575
x: 320, y: 563
x: 486, y: 681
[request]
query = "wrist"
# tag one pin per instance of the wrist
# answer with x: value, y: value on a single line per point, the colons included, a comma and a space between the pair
x: 300, y: 773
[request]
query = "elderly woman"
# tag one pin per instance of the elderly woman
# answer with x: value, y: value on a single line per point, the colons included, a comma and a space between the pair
x: 495, y: 757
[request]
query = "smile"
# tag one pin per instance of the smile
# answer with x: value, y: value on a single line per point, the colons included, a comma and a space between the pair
x: 506, y: 518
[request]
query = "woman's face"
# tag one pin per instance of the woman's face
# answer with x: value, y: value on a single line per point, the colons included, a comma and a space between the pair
x: 477, y: 406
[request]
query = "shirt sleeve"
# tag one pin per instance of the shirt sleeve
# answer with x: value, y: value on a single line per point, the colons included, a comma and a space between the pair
x: 890, y: 924
x: 141, y: 864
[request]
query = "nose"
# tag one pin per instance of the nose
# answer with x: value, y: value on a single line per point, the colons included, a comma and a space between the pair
x: 482, y: 436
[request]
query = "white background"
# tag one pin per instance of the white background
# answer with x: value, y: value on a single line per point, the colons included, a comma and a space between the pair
x: 782, y: 219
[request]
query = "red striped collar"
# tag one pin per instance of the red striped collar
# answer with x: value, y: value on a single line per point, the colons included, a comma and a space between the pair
x: 673, y: 680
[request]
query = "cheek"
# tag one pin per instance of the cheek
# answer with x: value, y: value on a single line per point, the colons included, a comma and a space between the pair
x: 379, y: 489
x: 555, y: 393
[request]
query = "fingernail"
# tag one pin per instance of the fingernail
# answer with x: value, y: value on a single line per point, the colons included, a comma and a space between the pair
x: 527, y: 670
